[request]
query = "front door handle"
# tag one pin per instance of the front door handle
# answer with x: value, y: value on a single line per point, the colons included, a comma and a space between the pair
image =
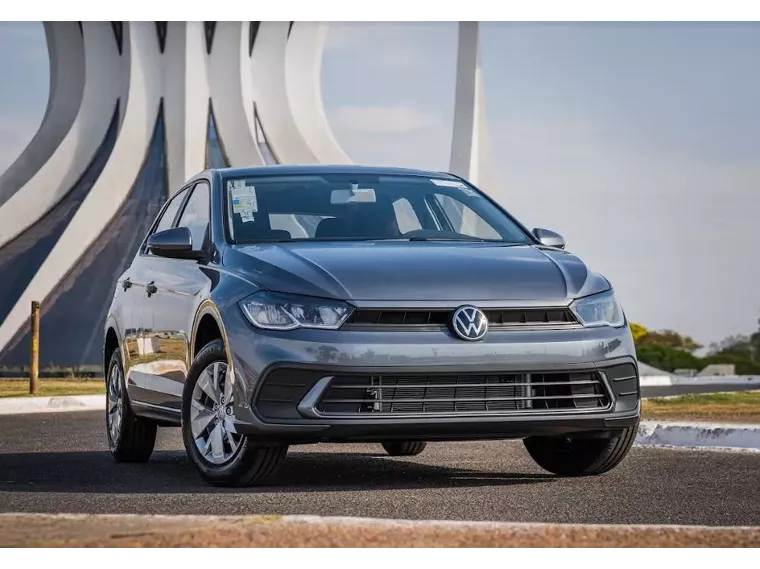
x: 126, y: 283
x: 151, y: 288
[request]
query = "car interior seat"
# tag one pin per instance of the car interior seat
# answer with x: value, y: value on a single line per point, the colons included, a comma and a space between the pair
x: 259, y: 229
x: 361, y: 221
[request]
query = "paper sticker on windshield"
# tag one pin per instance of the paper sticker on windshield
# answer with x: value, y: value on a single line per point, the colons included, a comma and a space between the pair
x: 449, y: 184
x: 246, y: 217
x: 244, y: 199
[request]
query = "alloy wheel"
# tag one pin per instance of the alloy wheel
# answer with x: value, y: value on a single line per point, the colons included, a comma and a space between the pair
x: 211, y: 416
x: 115, y: 409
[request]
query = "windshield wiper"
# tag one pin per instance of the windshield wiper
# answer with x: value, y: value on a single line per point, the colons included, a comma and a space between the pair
x: 421, y: 238
x: 358, y: 239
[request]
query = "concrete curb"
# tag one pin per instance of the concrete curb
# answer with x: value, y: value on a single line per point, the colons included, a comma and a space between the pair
x: 131, y: 530
x: 670, y: 380
x: 699, y: 435
x: 24, y: 405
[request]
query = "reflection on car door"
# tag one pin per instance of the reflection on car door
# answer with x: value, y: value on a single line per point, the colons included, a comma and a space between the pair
x: 138, y: 352
x: 142, y: 349
x: 171, y: 308
x: 127, y: 308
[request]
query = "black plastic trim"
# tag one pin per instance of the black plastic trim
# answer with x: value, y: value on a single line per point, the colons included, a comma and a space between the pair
x: 324, y: 369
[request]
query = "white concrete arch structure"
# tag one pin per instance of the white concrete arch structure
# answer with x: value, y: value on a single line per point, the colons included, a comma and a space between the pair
x: 104, y: 80
x: 164, y: 77
x: 229, y: 80
x: 149, y: 69
x: 115, y: 181
x: 270, y: 90
x: 470, y: 148
x: 186, y: 99
x: 303, y: 76
x: 67, y: 78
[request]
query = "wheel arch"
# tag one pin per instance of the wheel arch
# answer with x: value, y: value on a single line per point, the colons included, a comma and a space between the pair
x: 208, y: 326
x: 111, y: 341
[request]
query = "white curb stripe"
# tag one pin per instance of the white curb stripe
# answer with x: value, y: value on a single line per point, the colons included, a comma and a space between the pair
x: 699, y: 435
x: 668, y: 380
x: 23, y: 405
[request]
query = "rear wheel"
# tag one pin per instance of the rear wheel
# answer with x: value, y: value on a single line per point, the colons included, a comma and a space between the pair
x: 130, y: 438
x: 578, y: 456
x: 222, y: 456
x: 404, y: 448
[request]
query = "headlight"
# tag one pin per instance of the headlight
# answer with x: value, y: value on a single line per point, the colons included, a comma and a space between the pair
x: 599, y: 310
x: 274, y: 311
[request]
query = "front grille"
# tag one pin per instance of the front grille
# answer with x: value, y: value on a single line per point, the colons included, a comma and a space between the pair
x: 500, y: 393
x: 393, y: 319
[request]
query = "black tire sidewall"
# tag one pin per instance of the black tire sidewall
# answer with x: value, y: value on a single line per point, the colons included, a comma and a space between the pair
x: 404, y: 448
x: 590, y: 457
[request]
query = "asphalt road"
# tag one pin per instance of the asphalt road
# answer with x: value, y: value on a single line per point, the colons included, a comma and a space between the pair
x: 59, y: 463
x: 667, y: 390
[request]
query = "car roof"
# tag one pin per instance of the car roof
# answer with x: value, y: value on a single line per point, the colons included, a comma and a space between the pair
x: 286, y: 169
x: 328, y: 169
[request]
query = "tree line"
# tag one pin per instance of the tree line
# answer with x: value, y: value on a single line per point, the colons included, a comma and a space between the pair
x: 668, y: 350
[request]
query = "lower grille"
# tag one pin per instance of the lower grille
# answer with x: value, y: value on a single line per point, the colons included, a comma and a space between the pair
x: 501, y: 393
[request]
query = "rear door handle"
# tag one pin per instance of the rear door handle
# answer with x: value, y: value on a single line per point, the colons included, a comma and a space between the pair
x: 151, y: 288
x: 126, y: 283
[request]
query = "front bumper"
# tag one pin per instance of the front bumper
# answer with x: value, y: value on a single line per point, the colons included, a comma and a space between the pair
x: 308, y: 356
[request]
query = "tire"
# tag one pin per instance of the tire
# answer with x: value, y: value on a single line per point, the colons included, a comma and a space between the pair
x: 404, y: 448
x: 577, y: 456
x: 133, y: 438
x: 239, y: 462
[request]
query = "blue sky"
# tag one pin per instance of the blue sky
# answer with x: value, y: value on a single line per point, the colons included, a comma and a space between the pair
x: 638, y: 142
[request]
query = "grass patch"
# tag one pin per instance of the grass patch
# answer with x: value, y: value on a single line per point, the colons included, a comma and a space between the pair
x: 52, y: 387
x: 736, y: 407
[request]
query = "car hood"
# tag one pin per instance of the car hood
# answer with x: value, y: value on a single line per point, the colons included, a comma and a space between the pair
x: 424, y: 271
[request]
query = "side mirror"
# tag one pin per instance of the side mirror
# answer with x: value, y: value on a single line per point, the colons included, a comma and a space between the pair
x: 549, y: 238
x: 174, y: 243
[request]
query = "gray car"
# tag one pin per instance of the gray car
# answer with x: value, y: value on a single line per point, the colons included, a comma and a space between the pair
x: 290, y: 305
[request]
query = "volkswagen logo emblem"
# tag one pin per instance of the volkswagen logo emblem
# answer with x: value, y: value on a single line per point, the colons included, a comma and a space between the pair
x: 469, y: 323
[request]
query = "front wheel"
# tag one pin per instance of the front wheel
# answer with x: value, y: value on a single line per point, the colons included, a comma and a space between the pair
x: 578, y: 456
x: 222, y: 456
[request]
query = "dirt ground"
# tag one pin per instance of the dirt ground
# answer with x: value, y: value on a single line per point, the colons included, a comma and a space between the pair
x: 39, y: 530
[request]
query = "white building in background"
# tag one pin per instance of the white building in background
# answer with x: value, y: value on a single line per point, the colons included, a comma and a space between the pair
x: 136, y: 108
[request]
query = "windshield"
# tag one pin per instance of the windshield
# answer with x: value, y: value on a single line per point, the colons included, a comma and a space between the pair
x: 362, y: 207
